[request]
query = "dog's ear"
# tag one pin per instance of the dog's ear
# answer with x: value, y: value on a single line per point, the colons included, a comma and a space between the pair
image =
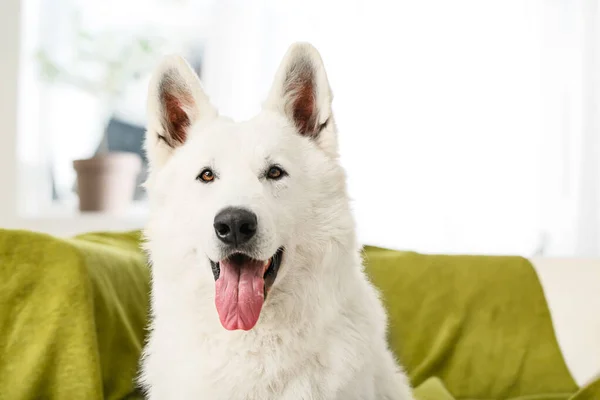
x: 301, y: 90
x: 176, y: 101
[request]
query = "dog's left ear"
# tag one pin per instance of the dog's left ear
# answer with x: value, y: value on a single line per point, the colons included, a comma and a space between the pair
x: 301, y: 91
x: 176, y: 101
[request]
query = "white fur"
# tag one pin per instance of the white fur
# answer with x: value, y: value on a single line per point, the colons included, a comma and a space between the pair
x: 322, y: 330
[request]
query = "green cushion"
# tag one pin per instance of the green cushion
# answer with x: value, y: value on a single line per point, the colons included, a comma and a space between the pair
x: 479, y: 324
x: 72, y: 315
x: 432, y: 389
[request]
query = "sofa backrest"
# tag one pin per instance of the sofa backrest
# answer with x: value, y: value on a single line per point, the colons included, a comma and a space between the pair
x: 483, y: 324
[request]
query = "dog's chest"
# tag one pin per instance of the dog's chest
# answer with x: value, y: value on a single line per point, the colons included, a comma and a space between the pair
x: 258, y: 367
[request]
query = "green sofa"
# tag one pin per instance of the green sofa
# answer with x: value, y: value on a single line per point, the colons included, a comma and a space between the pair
x: 73, y: 314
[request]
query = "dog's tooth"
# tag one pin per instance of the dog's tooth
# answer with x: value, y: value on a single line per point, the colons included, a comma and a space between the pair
x: 267, y: 264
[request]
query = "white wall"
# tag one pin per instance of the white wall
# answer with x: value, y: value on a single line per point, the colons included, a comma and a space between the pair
x: 9, y: 73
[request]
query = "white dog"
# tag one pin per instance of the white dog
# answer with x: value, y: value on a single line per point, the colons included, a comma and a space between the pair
x: 258, y: 288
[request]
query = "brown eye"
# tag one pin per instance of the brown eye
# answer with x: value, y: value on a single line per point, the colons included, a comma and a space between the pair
x: 206, y: 176
x: 275, y: 173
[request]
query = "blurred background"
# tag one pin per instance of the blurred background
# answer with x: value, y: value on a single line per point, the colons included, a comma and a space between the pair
x: 466, y: 126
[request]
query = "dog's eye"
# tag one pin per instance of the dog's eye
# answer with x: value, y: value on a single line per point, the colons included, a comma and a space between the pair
x: 275, y: 173
x: 206, y: 175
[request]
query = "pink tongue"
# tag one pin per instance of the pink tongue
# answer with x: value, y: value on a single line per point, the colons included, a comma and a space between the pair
x: 239, y: 294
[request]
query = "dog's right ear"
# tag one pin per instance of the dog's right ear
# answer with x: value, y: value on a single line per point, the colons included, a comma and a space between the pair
x: 176, y: 101
x: 301, y: 93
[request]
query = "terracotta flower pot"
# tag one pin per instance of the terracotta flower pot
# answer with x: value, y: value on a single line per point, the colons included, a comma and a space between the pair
x: 107, y: 182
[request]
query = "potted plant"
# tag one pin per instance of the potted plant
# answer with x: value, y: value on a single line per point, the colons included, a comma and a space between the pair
x: 96, y: 71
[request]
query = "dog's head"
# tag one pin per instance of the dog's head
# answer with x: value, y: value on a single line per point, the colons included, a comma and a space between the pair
x: 242, y: 196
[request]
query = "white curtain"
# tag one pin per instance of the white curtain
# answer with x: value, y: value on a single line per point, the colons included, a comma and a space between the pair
x: 571, y: 145
x: 466, y: 126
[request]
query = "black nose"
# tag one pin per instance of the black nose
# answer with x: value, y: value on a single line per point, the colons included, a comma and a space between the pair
x: 235, y: 226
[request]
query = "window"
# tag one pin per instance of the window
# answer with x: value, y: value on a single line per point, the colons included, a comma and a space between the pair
x: 465, y: 126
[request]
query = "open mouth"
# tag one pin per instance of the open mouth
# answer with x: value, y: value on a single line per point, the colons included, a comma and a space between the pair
x: 241, y: 286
